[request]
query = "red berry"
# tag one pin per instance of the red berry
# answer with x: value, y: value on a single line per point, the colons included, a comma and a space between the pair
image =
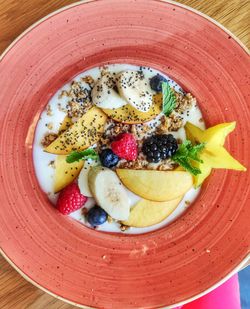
x: 70, y: 199
x: 125, y: 146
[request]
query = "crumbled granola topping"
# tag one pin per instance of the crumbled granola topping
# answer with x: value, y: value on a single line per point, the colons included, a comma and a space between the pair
x: 136, y: 165
x: 123, y: 227
x: 110, y: 219
x: 79, y: 98
x: 89, y: 80
x: 171, y: 123
x: 48, y: 139
x: 184, y: 102
x: 174, y: 122
x: 164, y: 126
x: 165, y: 166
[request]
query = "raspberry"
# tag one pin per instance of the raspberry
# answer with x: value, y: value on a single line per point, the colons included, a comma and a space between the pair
x: 70, y: 199
x: 125, y: 146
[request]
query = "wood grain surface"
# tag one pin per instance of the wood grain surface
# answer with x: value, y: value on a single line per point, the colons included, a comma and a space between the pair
x: 15, y: 17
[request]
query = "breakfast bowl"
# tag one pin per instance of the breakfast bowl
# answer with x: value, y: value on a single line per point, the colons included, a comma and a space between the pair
x: 164, y: 266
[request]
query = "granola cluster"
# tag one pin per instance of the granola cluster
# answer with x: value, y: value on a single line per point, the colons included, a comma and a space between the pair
x: 80, y: 100
x: 184, y: 102
x: 48, y: 139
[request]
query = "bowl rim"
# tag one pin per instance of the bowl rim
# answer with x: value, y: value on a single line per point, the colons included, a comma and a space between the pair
x: 27, y: 278
x: 242, y: 264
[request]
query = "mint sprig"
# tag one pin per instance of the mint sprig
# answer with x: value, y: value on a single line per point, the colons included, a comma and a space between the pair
x: 188, y: 153
x: 168, y: 99
x: 76, y: 156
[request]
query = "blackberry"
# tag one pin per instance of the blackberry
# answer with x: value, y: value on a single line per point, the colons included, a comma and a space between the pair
x: 156, y: 82
x: 108, y: 158
x: 159, y: 147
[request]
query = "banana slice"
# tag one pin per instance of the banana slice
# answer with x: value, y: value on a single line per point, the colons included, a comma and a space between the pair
x: 135, y: 89
x: 83, y: 183
x: 109, y: 193
x: 104, y: 95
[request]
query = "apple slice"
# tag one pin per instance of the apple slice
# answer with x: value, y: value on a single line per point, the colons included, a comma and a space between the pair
x: 82, y: 134
x: 65, y: 172
x: 158, y: 186
x: 146, y: 213
x: 130, y: 115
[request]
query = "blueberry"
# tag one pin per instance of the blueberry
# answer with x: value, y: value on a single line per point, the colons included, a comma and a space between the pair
x: 156, y: 81
x: 108, y: 158
x: 97, y: 216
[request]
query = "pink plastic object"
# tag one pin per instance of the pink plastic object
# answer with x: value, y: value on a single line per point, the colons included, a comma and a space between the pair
x: 225, y: 296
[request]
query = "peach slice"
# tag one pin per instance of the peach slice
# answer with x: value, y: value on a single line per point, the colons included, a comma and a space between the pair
x: 65, y: 172
x: 146, y: 213
x: 156, y: 185
x: 82, y: 134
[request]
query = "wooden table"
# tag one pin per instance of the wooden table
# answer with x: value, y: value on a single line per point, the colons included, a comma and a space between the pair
x: 15, y: 17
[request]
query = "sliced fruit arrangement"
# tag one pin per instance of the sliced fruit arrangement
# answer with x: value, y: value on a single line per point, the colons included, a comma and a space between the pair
x: 157, y: 186
x: 82, y: 134
x: 147, y: 213
x: 102, y: 158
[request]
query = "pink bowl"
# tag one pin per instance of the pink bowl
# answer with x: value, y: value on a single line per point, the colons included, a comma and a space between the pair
x: 86, y: 267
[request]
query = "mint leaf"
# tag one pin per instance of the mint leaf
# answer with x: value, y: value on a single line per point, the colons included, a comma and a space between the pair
x: 188, y: 153
x: 82, y: 155
x: 168, y: 99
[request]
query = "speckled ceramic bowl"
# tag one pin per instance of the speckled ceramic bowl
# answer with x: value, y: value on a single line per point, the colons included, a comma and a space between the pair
x: 83, y: 266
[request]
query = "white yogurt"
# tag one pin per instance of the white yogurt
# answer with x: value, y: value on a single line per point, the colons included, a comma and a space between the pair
x: 45, y: 173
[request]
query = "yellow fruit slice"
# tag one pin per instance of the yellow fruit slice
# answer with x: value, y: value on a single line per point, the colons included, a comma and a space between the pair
x: 82, y: 134
x: 205, y: 172
x: 156, y: 185
x: 128, y: 114
x: 214, y: 155
x: 65, y: 124
x: 194, y: 134
x: 218, y: 157
x: 65, y: 172
x: 214, y: 135
x: 146, y: 213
